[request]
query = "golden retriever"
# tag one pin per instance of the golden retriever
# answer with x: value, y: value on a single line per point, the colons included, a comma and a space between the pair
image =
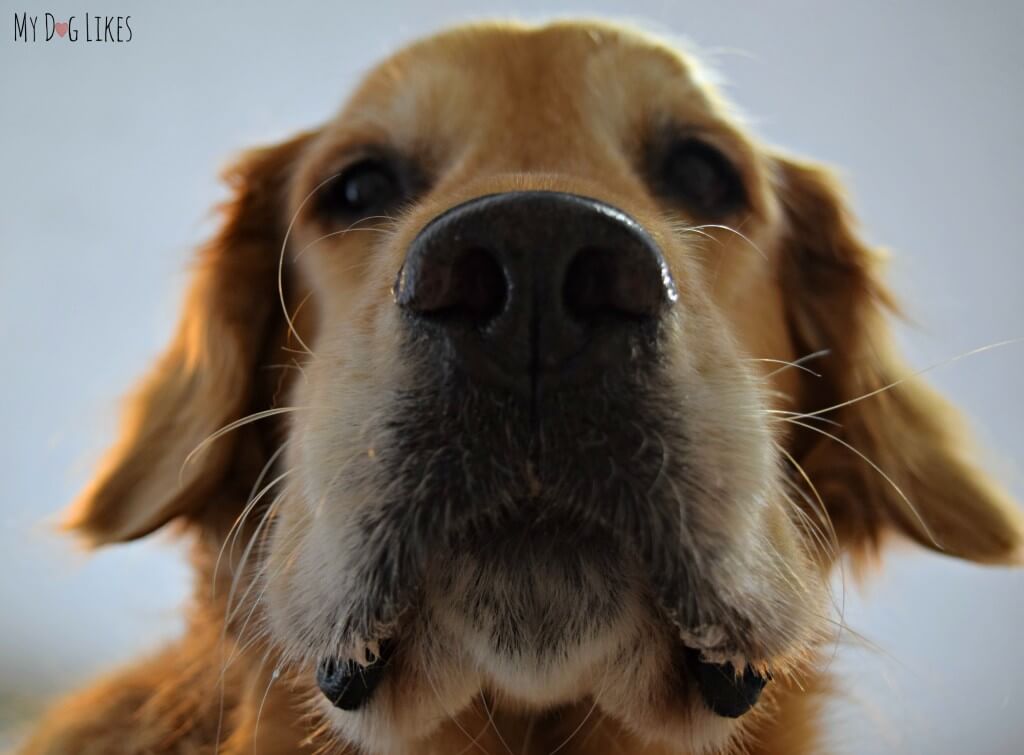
x: 526, y: 406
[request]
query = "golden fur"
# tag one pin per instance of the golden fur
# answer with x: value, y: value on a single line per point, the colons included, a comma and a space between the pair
x: 487, y: 109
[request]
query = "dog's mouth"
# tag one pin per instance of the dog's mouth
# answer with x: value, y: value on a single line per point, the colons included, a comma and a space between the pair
x: 532, y: 591
x: 349, y: 685
x: 545, y: 552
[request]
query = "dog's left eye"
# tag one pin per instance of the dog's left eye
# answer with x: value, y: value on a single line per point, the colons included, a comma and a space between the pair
x: 702, y: 178
x: 369, y: 186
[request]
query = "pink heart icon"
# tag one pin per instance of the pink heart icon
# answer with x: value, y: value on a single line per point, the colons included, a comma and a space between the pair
x: 61, y: 27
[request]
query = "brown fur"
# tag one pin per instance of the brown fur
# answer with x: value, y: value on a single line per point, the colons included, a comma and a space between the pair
x: 817, y: 286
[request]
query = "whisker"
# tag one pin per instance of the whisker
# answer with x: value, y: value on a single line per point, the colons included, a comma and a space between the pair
x: 249, y: 508
x: 231, y: 608
x: 293, y: 366
x: 797, y: 363
x: 493, y: 725
x: 224, y: 629
x: 280, y: 262
x: 295, y: 314
x: 473, y: 741
x: 248, y: 419
x: 817, y: 505
x: 240, y: 519
x: 261, y: 578
x: 732, y: 230
x: 593, y: 707
x: 528, y: 735
x: 243, y: 645
x: 822, y: 511
x: 814, y: 528
x: 228, y: 608
x: 259, y: 713
x: 957, y: 358
x: 350, y: 229
x: 785, y: 414
x: 880, y: 471
x: 577, y: 730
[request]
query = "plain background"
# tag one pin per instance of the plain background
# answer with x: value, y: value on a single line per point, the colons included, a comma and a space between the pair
x: 108, y: 158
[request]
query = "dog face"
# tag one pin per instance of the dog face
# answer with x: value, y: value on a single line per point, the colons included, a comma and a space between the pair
x: 545, y: 458
x: 545, y: 439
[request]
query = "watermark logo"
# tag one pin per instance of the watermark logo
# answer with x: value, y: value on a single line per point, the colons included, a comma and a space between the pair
x: 47, y: 28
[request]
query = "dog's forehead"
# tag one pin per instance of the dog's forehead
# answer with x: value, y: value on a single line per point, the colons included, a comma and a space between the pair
x: 530, y: 80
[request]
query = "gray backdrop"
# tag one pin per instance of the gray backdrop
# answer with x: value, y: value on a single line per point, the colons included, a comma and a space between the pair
x: 109, y: 154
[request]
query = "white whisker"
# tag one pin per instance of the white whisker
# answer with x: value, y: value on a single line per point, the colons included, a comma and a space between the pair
x: 886, y: 477
x: 350, y: 229
x: 493, y: 725
x: 913, y: 375
x: 254, y: 417
x: 718, y: 226
x: 240, y: 519
x: 280, y: 261
x: 797, y: 363
x: 259, y: 713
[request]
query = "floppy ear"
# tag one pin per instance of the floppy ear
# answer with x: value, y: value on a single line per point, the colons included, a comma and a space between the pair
x: 900, y: 460
x: 206, y: 378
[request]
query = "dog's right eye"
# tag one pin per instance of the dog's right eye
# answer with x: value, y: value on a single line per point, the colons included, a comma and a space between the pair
x: 368, y: 187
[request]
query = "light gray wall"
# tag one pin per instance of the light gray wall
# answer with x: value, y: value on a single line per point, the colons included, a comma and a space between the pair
x: 108, y: 156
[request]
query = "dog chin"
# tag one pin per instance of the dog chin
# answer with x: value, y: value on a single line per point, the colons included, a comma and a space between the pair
x: 540, y: 618
x: 536, y: 620
x: 618, y: 658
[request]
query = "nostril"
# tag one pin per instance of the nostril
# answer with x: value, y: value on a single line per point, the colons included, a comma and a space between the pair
x: 471, y: 287
x: 587, y: 281
x: 601, y: 282
x: 479, y: 285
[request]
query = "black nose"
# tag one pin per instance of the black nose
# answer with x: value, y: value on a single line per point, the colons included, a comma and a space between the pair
x: 532, y: 285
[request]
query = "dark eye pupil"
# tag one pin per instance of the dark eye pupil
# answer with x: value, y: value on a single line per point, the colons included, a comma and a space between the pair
x: 697, y: 176
x: 367, y: 187
x: 702, y: 178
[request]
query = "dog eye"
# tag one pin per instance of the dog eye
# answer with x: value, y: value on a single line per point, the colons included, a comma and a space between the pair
x: 702, y: 178
x: 367, y: 187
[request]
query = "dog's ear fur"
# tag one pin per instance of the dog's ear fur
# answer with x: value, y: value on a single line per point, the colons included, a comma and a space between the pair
x: 900, y: 460
x: 162, y: 467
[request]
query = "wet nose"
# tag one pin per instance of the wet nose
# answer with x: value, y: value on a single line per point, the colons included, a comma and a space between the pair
x: 534, y: 285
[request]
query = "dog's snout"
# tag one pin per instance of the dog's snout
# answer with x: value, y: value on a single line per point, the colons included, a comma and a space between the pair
x: 534, y: 283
